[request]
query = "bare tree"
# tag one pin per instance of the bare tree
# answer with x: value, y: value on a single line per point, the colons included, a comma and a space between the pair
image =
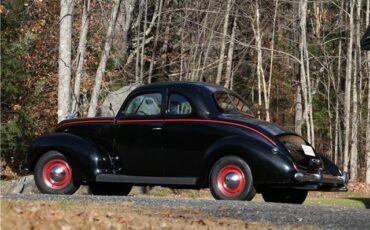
x: 230, y: 56
x: 124, y: 22
x: 103, y: 60
x: 138, y: 28
x: 143, y: 42
x: 223, y: 41
x: 155, y: 41
x: 347, y: 93
x: 336, y: 85
x: 64, y: 61
x: 355, y: 114
x: 367, y: 16
x: 271, y: 60
x: 260, y: 71
x: 305, y: 75
x: 81, y: 50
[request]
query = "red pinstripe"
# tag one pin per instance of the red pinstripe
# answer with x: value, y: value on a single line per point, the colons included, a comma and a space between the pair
x: 171, y: 120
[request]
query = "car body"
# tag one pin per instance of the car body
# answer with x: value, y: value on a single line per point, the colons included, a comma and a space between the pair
x: 182, y: 135
x: 365, y: 40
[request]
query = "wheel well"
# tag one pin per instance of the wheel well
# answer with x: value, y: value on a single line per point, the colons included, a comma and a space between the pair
x: 37, y: 156
x: 207, y: 171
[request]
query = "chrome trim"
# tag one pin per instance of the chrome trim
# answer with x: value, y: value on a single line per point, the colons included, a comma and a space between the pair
x: 322, y: 178
x: 57, y: 174
x: 232, y: 181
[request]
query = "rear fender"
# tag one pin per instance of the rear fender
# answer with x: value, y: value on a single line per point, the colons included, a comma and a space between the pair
x: 266, y: 165
x: 85, y: 159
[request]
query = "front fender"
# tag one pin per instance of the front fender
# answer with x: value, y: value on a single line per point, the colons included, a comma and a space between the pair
x: 85, y: 159
x: 267, y: 164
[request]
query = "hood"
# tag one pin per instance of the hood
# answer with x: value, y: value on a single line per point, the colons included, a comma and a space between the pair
x: 90, y: 120
x: 268, y: 127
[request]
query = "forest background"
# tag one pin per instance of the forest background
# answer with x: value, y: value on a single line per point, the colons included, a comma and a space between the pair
x: 297, y: 63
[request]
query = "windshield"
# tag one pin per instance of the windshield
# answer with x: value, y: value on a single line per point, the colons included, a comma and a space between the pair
x: 231, y: 103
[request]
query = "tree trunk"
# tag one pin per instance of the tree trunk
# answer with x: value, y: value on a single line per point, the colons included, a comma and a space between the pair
x: 223, y: 40
x: 347, y: 93
x: 230, y: 56
x: 156, y: 41
x: 354, y: 120
x: 298, y: 110
x: 143, y: 43
x: 164, y: 48
x: 338, y: 134
x: 260, y: 70
x: 81, y: 50
x: 299, y: 119
x: 355, y: 114
x: 317, y: 16
x: 368, y: 103
x: 64, y: 61
x: 138, y: 27
x: 103, y: 60
x: 124, y: 21
x: 272, y: 56
x: 305, y: 83
x: 206, y: 53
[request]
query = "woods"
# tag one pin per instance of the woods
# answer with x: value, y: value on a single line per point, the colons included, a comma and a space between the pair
x: 297, y: 63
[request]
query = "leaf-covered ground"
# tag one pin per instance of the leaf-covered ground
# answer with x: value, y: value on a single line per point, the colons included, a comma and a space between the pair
x: 67, y: 215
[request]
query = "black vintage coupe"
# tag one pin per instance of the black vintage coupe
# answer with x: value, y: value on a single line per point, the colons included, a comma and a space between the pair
x: 182, y: 135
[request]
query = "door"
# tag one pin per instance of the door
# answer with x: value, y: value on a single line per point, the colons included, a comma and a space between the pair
x: 138, y: 141
x: 184, y: 139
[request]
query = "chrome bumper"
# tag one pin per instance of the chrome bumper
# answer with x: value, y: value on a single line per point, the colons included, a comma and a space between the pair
x: 340, y: 181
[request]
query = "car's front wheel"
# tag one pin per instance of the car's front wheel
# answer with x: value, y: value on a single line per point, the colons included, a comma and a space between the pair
x: 53, y: 174
x: 110, y: 189
x: 292, y: 196
x: 231, y: 179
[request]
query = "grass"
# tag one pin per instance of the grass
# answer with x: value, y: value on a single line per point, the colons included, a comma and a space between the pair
x: 363, y: 203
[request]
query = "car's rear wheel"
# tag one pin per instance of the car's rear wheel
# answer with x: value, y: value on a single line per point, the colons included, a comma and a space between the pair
x: 53, y: 174
x: 110, y: 189
x: 292, y: 196
x: 231, y: 179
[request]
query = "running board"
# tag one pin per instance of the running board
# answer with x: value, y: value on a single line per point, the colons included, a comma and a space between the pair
x: 146, y: 179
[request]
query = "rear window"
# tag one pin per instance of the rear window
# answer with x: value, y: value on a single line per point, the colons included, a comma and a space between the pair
x: 231, y: 103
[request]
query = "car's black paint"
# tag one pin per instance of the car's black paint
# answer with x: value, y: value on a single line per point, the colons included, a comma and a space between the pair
x: 172, y: 146
x: 86, y: 158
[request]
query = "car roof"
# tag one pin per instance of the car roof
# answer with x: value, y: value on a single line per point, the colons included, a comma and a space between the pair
x: 206, y: 86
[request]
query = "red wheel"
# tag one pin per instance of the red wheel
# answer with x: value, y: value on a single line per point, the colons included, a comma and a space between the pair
x: 57, y: 174
x: 231, y: 179
x: 54, y: 175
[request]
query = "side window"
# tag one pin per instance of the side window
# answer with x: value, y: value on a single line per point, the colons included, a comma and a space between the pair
x: 145, y: 105
x: 179, y: 105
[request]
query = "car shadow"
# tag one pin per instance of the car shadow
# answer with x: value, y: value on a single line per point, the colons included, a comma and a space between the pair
x: 364, y: 200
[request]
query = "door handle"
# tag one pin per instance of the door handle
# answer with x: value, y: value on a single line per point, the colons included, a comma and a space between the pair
x: 157, y: 128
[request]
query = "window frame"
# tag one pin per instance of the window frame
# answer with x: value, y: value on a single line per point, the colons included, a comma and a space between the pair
x: 249, y: 113
x: 168, y: 114
x: 132, y: 97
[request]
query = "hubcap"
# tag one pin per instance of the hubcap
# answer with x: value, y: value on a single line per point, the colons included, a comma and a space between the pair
x: 57, y: 174
x: 231, y: 181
